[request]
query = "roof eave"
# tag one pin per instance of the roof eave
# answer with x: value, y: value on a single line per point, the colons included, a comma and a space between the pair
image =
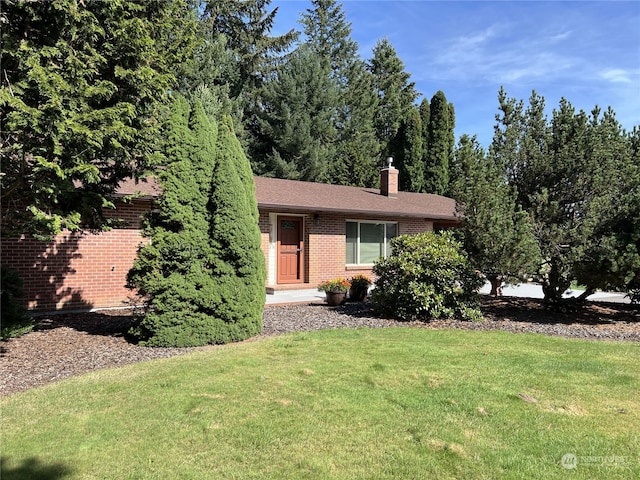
x: 296, y: 208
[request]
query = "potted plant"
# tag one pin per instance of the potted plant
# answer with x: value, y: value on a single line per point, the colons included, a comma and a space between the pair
x: 336, y: 290
x: 359, y: 287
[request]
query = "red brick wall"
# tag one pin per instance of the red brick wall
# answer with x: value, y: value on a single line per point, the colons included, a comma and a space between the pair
x: 415, y: 225
x: 81, y: 271
x: 77, y: 270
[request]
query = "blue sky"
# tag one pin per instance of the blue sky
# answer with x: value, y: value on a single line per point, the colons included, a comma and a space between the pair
x: 585, y: 51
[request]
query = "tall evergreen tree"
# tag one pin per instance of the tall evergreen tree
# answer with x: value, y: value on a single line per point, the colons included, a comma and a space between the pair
x: 236, y: 56
x: 240, y: 273
x: 425, y: 117
x: 357, y: 158
x: 82, y: 94
x: 396, y: 94
x: 328, y: 35
x: 440, y: 144
x: 507, y: 133
x: 297, y: 120
x: 406, y: 150
x: 245, y: 30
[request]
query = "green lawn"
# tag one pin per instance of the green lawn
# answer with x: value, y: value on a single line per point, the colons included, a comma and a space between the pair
x: 341, y: 404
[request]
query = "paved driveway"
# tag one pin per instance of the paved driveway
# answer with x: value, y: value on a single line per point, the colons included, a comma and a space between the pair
x: 532, y: 290
x: 529, y: 290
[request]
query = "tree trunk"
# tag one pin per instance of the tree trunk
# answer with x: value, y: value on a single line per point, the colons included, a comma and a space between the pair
x: 496, y: 285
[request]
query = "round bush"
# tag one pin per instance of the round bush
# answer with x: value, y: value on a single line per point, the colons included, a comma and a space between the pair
x: 427, y: 276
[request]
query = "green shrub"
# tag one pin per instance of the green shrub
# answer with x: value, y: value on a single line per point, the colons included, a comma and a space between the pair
x: 15, y: 320
x: 427, y: 276
x: 203, y: 273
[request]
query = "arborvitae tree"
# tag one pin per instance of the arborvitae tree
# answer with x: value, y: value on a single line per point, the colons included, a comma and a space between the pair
x: 296, y: 122
x: 440, y: 145
x: 406, y: 150
x: 497, y: 234
x: 182, y: 271
x: 82, y: 94
x: 425, y: 118
x: 238, y: 296
x: 396, y: 94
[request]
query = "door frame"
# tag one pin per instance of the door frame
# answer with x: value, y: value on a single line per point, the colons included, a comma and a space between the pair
x: 301, y: 246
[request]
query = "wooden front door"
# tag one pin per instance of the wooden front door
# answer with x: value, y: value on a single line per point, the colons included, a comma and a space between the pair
x: 290, y: 250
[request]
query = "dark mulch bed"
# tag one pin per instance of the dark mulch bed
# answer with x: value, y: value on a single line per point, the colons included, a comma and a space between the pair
x: 64, y: 345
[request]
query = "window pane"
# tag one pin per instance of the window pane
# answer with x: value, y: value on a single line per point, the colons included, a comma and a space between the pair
x: 371, y: 242
x: 352, y: 242
x: 392, y: 231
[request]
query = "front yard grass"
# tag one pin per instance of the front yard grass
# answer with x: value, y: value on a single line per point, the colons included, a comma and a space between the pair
x: 397, y: 403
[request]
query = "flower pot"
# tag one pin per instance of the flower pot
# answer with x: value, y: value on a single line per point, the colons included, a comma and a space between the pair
x: 358, y: 294
x: 336, y: 298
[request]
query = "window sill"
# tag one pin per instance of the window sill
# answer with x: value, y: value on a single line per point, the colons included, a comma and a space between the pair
x: 364, y: 266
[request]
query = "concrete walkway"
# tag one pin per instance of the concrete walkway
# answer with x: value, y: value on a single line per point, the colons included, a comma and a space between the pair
x: 295, y: 296
x: 529, y: 290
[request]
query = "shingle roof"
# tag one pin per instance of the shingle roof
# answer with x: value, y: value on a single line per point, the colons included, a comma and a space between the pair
x: 147, y: 187
x: 321, y: 197
x: 297, y: 196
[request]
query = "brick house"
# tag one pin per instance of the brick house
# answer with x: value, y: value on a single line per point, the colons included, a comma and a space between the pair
x: 310, y: 232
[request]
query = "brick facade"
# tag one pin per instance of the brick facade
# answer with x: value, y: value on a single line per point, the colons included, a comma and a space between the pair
x: 88, y: 270
x: 325, y: 248
x: 78, y: 270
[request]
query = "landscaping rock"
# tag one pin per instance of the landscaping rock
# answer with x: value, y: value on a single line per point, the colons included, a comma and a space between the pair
x: 64, y: 345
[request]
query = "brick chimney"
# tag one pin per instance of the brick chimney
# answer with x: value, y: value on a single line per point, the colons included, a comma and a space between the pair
x: 389, y: 180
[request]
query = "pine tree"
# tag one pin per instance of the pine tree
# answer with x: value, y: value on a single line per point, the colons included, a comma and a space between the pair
x: 440, y: 145
x: 572, y: 175
x: 498, y: 235
x: 612, y: 256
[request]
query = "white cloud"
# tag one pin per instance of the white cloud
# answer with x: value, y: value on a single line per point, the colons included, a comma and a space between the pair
x: 494, y: 55
x: 617, y: 75
x: 560, y: 36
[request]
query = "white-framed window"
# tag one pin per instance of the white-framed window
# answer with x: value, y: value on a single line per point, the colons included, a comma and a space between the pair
x: 367, y: 241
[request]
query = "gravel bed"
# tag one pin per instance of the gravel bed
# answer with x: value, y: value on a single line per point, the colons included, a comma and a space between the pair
x: 64, y: 345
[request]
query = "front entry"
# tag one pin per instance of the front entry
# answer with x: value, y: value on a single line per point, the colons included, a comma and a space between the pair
x: 290, y: 250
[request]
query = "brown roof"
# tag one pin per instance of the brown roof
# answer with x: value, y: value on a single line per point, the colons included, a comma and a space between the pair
x: 296, y: 196
x: 146, y: 187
